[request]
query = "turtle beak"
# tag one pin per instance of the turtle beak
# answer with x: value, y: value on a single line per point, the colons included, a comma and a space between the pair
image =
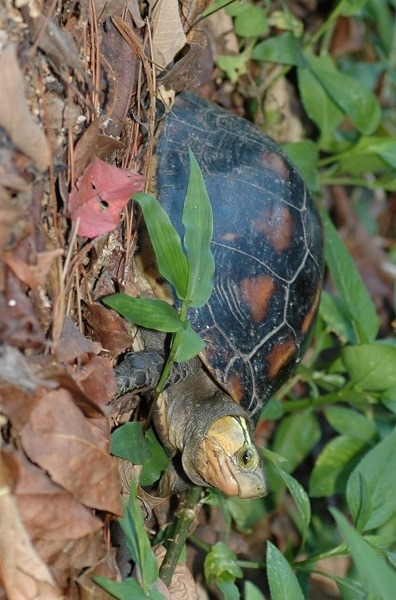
x: 226, y: 459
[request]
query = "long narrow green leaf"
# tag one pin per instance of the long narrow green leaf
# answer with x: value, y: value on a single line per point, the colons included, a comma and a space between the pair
x: 283, y: 582
x: 137, y: 540
x: 172, y: 262
x: 349, y: 284
x: 146, y: 312
x: 198, y: 223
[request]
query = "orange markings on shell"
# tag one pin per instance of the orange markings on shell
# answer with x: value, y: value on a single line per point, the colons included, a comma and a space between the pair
x: 258, y: 292
x: 280, y: 356
x: 274, y: 162
x: 278, y: 227
x: 310, y: 316
x: 235, y: 388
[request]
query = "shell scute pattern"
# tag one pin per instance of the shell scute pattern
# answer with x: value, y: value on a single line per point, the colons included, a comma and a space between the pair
x: 267, y: 246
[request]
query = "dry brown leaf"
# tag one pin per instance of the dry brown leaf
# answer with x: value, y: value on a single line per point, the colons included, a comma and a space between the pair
x: 72, y: 344
x: 97, y: 379
x: 15, y: 117
x: 109, y: 327
x: 24, y: 575
x: 168, y: 34
x: 32, y: 274
x: 47, y: 511
x: 58, y: 438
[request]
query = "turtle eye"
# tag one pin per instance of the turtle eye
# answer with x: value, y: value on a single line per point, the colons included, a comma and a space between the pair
x: 247, y: 457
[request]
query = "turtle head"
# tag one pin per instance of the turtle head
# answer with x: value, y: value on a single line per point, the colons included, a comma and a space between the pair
x: 226, y: 458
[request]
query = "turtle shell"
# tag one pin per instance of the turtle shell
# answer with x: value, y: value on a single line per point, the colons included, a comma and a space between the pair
x: 267, y: 246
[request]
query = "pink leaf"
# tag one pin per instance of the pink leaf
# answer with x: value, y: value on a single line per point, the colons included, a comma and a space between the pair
x: 99, y: 195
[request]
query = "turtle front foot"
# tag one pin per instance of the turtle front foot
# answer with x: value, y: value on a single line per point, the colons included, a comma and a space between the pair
x: 138, y: 371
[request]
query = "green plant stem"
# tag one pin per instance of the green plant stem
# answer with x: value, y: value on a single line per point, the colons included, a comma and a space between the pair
x: 168, y: 365
x: 181, y: 532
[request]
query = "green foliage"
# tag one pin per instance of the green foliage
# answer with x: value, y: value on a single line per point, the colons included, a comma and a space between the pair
x: 140, y: 551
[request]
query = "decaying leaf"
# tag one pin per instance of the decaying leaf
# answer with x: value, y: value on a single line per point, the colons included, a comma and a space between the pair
x: 99, y: 196
x: 168, y: 33
x: 72, y: 344
x: 15, y: 117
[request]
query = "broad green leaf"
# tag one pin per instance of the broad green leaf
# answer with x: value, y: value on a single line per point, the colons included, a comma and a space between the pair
x: 282, y: 580
x: 146, y: 312
x: 377, y: 470
x: 297, y: 492
x: 252, y: 592
x: 220, y: 560
x: 251, y: 22
x: 305, y: 156
x: 318, y: 105
x: 334, y: 465
x: 127, y: 589
x: 371, y: 366
x: 189, y: 344
x: 286, y: 21
x: 357, y: 102
x: 377, y: 576
x: 198, y: 223
x: 137, y: 540
x: 156, y: 463
x: 129, y: 442
x: 350, y: 422
x: 295, y: 437
x: 284, y: 49
x: 172, y: 262
x: 349, y: 284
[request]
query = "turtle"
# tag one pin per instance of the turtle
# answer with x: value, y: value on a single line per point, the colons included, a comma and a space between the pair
x: 257, y: 324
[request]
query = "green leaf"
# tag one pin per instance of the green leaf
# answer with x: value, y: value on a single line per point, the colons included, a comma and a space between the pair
x: 351, y: 423
x: 146, y: 312
x: 282, y: 581
x: 246, y: 513
x: 334, y: 465
x: 298, y: 493
x: 172, y: 263
x: 252, y: 592
x: 385, y: 148
x: 377, y: 470
x: 251, y: 22
x: 156, y: 463
x: 334, y: 312
x: 127, y: 589
x: 305, y: 156
x: 348, y: 8
x: 284, y: 49
x: 138, y: 542
x: 357, y: 102
x: 318, y: 105
x: 295, y: 437
x: 371, y: 366
x: 189, y: 344
x: 349, y: 284
x: 228, y: 588
x: 233, y: 66
x: 377, y: 576
x: 198, y: 223
x: 129, y: 442
x: 221, y: 560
